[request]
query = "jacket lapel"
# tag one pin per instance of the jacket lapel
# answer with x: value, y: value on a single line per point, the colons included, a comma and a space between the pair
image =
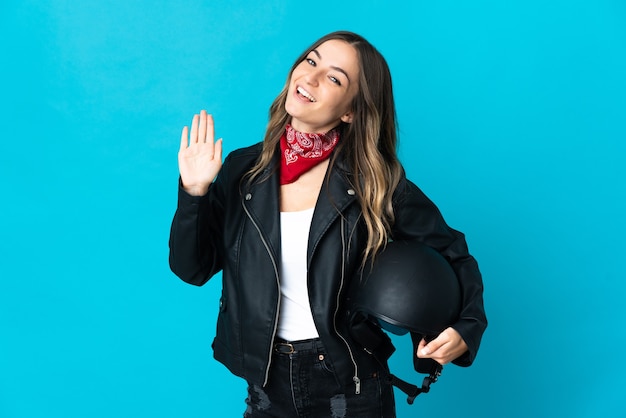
x: 261, y: 203
x: 261, y: 200
x: 335, y: 196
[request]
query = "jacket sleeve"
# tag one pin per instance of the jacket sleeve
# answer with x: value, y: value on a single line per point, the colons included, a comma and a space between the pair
x: 416, y: 217
x: 196, y: 234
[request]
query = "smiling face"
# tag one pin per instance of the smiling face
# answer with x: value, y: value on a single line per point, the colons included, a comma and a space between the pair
x: 322, y: 87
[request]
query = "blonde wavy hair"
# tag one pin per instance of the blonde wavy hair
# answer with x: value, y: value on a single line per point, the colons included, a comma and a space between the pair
x: 368, y: 143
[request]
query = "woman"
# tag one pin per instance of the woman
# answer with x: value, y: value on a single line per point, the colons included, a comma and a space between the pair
x: 289, y: 221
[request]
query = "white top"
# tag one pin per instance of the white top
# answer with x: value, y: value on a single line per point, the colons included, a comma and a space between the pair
x: 295, y: 321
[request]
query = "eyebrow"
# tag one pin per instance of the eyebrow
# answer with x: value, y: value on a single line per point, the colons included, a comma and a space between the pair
x: 341, y: 70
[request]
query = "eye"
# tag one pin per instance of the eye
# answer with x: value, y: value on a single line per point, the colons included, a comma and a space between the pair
x: 334, y: 80
x: 311, y: 62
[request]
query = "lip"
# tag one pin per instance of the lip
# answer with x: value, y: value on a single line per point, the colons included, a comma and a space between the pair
x: 301, y: 97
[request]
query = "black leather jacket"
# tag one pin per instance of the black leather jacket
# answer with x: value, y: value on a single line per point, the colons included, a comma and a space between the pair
x: 235, y: 228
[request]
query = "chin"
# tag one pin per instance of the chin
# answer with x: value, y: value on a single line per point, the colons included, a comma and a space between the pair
x: 291, y: 111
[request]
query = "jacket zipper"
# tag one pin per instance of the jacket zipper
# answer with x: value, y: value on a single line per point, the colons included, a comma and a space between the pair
x: 269, y: 360
x: 355, y: 378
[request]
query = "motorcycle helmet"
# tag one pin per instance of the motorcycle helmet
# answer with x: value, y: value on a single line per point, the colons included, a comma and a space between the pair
x: 409, y: 286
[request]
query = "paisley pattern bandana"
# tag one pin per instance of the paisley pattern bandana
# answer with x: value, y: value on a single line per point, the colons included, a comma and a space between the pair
x: 300, y: 152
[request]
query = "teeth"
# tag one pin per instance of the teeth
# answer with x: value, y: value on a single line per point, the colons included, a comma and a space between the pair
x: 305, y: 94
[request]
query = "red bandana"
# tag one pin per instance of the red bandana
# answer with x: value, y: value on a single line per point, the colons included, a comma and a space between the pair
x: 303, y: 151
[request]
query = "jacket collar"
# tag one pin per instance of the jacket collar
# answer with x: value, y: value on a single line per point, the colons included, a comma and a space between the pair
x: 335, y: 196
x: 261, y: 200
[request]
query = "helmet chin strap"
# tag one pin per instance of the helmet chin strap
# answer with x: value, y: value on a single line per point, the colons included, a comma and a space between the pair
x: 378, y: 344
x: 411, y: 390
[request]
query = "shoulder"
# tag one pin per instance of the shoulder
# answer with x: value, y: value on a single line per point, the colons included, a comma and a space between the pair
x: 242, y: 159
x: 247, y: 155
x: 407, y: 192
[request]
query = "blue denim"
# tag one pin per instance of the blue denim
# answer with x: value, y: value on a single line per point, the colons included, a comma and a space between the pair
x: 303, y: 384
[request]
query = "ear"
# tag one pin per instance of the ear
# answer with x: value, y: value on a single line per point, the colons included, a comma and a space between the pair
x: 347, y: 118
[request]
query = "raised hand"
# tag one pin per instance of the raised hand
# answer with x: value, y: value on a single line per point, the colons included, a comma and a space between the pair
x: 199, y: 156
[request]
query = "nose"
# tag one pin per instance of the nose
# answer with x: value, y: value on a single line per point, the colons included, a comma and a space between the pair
x: 312, y: 77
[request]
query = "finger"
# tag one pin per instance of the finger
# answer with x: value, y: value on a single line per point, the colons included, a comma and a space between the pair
x: 193, y: 138
x: 218, y: 150
x: 420, y: 347
x: 210, y: 135
x: 202, y: 127
x: 210, y: 129
x: 422, y: 344
x: 183, y: 139
x: 433, y: 346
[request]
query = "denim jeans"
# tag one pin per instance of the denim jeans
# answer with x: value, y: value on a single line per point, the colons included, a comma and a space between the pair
x: 302, y: 384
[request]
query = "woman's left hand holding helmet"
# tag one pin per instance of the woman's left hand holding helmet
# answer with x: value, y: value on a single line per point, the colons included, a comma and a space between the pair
x: 448, y: 346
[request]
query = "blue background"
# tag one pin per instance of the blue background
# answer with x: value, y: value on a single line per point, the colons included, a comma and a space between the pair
x: 512, y: 118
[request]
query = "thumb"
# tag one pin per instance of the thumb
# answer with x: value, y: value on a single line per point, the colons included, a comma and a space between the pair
x: 422, y: 349
x: 426, y: 349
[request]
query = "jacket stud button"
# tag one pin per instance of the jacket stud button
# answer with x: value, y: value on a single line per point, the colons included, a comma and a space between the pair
x: 351, y: 192
x: 248, y: 196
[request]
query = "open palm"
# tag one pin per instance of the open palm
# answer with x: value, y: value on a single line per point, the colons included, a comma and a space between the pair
x: 199, y: 156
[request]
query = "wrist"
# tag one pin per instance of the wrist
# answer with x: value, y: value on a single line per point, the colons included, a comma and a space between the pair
x: 195, y: 190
